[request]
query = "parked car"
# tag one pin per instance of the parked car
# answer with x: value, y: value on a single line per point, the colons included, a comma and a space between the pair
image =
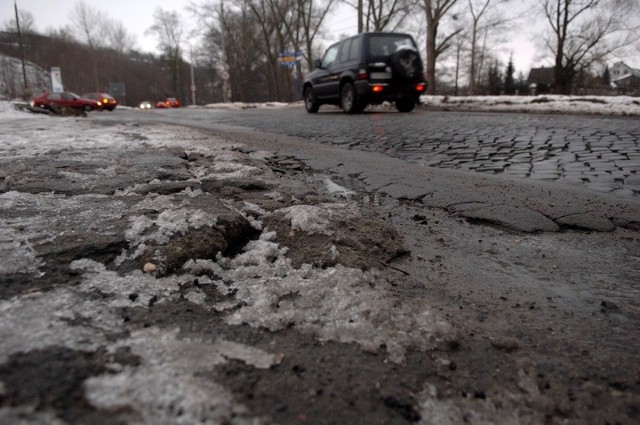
x: 144, y: 105
x: 65, y: 99
x: 368, y: 68
x: 107, y: 102
x: 170, y: 102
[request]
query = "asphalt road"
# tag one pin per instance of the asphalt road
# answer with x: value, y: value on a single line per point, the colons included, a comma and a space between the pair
x: 602, y: 153
x: 157, y: 274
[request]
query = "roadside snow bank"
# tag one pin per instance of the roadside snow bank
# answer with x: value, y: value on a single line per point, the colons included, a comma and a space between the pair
x: 242, y: 105
x: 595, y: 105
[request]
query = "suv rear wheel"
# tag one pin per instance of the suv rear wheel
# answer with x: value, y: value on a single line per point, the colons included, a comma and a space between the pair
x: 351, y: 104
x: 405, y: 105
x: 311, y: 101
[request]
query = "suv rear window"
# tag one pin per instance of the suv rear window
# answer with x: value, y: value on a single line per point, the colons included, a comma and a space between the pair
x: 386, y: 45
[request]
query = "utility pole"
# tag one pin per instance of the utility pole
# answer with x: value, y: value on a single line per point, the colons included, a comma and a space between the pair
x: 24, y: 70
x: 193, y: 82
x: 360, y: 23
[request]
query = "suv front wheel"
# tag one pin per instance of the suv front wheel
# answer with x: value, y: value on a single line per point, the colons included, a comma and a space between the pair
x: 351, y: 104
x: 311, y: 101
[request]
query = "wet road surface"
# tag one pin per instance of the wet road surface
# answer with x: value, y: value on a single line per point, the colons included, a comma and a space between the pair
x: 601, y: 153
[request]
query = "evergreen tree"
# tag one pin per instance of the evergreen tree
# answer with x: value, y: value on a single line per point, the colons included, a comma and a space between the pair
x: 522, y: 86
x: 606, y: 77
x: 509, y: 82
x: 495, y: 79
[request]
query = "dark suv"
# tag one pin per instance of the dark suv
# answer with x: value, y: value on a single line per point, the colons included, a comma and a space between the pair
x: 369, y: 68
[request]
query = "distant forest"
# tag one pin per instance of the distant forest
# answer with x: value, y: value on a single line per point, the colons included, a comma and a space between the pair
x: 146, y: 76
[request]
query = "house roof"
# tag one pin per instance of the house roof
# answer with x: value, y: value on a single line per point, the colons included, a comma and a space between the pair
x: 628, y: 80
x: 541, y: 75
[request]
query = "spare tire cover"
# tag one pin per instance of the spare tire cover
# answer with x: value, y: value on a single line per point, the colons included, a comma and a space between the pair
x: 405, y: 63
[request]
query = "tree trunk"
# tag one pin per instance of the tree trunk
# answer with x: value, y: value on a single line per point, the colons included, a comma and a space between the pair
x: 472, y: 67
x: 432, y: 31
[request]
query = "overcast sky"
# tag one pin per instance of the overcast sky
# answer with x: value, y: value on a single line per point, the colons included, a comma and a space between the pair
x: 137, y: 17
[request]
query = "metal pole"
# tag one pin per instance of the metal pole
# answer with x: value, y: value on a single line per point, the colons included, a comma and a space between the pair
x: 360, y: 12
x: 193, y: 83
x: 24, y: 70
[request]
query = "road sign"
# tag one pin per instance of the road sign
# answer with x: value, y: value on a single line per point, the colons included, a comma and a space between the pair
x: 56, y: 80
x: 289, y: 58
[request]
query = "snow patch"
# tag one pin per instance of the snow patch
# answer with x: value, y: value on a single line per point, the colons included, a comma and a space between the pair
x: 596, y: 105
x: 314, y: 218
x: 58, y: 317
x: 336, y: 189
x: 335, y: 304
x: 16, y: 252
x: 171, y: 386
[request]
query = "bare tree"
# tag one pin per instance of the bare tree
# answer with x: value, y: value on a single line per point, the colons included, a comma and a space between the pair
x: 86, y: 22
x: 229, y: 37
x: 584, y: 32
x: 489, y: 19
x: 27, y: 24
x: 169, y: 30
x: 118, y: 38
x: 270, y: 28
x: 381, y: 15
x: 309, y: 15
x: 477, y: 9
x: 459, y: 44
x: 435, y: 12
x: 385, y: 14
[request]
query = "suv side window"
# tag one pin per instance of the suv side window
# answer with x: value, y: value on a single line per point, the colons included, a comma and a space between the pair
x: 344, y: 53
x: 330, y: 56
x: 353, y: 52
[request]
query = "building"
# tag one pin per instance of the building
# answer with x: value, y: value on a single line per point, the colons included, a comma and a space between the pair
x: 541, y: 80
x: 621, y: 69
x: 624, y: 79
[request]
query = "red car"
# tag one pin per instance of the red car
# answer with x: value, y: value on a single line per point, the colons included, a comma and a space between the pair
x: 170, y: 102
x: 107, y: 102
x: 65, y: 99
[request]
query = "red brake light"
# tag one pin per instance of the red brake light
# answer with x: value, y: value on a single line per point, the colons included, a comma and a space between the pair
x: 362, y: 74
x: 420, y: 87
x: 376, y: 89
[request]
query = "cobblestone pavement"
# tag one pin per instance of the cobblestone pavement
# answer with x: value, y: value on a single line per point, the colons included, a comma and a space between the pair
x: 600, y: 152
